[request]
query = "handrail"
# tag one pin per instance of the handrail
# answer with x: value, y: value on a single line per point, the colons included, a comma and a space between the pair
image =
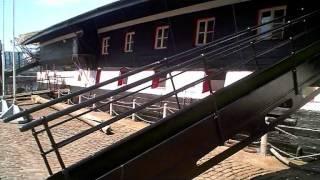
x: 190, y: 62
x: 103, y: 124
x: 159, y: 132
x: 155, y: 65
x: 225, y: 50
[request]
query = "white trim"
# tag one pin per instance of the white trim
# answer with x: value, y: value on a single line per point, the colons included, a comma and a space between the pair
x: 61, y: 38
x: 272, y: 9
x: 205, y: 32
x: 105, y: 45
x: 162, y: 38
x: 129, y: 42
x: 172, y: 13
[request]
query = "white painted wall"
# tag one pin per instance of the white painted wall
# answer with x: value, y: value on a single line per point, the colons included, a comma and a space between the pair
x: 84, y: 78
x: 234, y: 76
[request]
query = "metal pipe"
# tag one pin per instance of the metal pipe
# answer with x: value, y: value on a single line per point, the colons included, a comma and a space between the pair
x: 54, y: 145
x: 152, y: 65
x: 63, y: 143
x: 63, y: 98
x: 87, y: 102
x: 13, y: 54
x: 99, y: 98
x: 123, y: 115
x: 244, y: 91
x: 120, y: 115
x: 43, y: 155
x: 3, y: 50
x: 93, y: 129
x: 112, y: 93
x: 104, y: 104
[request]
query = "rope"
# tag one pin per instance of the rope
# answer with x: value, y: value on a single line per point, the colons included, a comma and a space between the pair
x: 153, y: 109
x: 119, y: 105
x: 103, y: 111
x: 144, y: 120
x: 87, y: 97
x: 283, y: 152
x: 171, y: 108
x: 113, y: 111
x: 63, y: 93
x: 71, y: 102
x: 167, y: 101
x: 285, y: 132
x: 306, y: 156
x: 153, y: 117
x: 104, y: 102
x: 124, y: 103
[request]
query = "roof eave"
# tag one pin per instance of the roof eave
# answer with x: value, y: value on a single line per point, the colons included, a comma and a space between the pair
x: 81, y: 18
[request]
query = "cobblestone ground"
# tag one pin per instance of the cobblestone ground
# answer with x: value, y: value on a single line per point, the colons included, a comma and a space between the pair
x: 83, y: 147
x: 240, y: 166
x: 20, y: 157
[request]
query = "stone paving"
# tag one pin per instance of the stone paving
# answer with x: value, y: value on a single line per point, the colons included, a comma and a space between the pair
x: 242, y: 165
x: 20, y: 157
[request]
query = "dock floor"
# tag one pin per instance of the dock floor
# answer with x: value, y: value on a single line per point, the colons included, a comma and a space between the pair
x: 20, y: 157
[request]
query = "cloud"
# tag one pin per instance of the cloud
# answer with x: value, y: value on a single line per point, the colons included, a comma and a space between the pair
x: 58, y: 2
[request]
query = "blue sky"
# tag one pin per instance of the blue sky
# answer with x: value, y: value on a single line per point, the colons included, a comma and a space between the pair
x: 35, y: 15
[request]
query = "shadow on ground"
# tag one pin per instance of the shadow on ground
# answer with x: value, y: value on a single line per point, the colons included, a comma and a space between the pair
x: 310, y: 171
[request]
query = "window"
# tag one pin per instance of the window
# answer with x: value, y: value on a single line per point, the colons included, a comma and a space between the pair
x: 274, y: 14
x: 205, y: 31
x: 159, y: 81
x: 162, y: 36
x: 123, y: 81
x: 105, y: 46
x: 128, y: 45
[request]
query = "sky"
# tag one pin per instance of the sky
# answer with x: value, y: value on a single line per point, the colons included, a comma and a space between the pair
x: 35, y: 15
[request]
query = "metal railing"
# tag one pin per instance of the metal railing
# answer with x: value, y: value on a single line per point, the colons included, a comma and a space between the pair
x: 201, y: 57
x: 195, y: 53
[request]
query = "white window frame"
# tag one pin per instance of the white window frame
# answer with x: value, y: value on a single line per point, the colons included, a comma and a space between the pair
x: 128, y: 44
x: 205, y: 32
x: 105, y: 45
x: 272, y: 12
x: 162, y: 38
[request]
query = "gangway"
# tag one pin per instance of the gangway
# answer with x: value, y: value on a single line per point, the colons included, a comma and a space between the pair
x: 171, y: 147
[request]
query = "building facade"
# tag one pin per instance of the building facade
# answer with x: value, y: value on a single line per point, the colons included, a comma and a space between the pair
x: 116, y: 38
